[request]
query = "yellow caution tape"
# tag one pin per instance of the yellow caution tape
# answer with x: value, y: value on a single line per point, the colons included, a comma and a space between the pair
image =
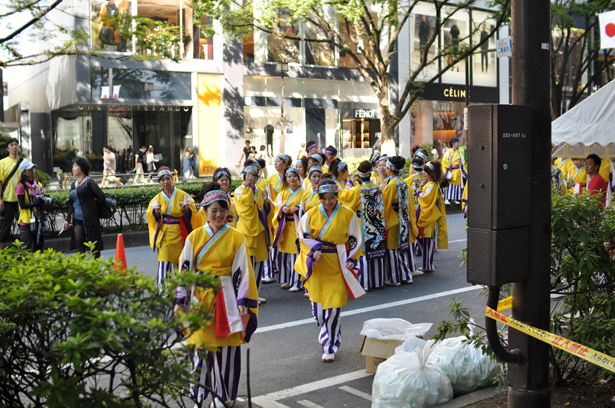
x: 505, y: 303
x: 579, y: 350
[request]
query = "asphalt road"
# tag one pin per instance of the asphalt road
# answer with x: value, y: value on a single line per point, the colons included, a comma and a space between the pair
x: 286, y: 367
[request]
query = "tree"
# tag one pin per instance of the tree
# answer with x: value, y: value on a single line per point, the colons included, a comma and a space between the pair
x: 576, y: 60
x: 367, y: 31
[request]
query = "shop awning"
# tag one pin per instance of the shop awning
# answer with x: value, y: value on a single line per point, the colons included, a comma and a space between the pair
x: 587, y: 128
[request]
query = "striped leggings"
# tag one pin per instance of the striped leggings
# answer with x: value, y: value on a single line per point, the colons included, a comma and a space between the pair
x: 259, y: 269
x: 371, y: 273
x: 454, y: 192
x: 224, y: 364
x: 165, y: 268
x: 270, y: 266
x: 429, y: 252
x: 329, y: 321
x: 286, y: 266
x: 401, y: 265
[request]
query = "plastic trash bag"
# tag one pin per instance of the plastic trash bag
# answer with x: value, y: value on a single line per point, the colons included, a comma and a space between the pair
x: 409, y: 380
x: 410, y: 345
x: 393, y: 329
x: 466, y: 367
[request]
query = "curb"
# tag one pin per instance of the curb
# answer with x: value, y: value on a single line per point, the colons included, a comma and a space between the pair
x: 131, y: 239
x: 473, y: 397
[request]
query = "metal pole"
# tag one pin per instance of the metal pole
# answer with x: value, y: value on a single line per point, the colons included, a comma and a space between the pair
x: 2, y: 107
x: 282, y: 124
x: 529, y: 380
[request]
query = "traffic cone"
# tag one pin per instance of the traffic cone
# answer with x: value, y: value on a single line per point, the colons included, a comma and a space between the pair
x: 120, y: 254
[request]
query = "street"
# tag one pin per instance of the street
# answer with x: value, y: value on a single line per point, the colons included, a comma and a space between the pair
x: 285, y: 357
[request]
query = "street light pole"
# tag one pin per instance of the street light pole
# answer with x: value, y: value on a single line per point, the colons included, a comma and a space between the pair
x: 529, y: 380
x: 282, y: 67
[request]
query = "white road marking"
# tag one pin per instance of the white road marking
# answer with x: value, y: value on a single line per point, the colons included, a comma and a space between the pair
x: 356, y: 392
x: 458, y: 240
x: 270, y: 400
x: 308, y: 404
x: 373, y: 308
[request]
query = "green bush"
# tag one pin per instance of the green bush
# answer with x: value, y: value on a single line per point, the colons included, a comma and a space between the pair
x: 353, y: 163
x: 42, y: 177
x: 74, y: 332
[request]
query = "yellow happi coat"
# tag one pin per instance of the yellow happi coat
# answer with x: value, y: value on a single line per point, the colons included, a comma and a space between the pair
x: 605, y: 169
x: 249, y: 223
x: 391, y: 217
x: 309, y: 200
x: 262, y: 183
x: 326, y: 285
x: 231, y: 218
x: 453, y: 158
x: 564, y: 165
x: 168, y: 240
x: 346, y: 196
x: 432, y: 212
x: 222, y: 259
x: 274, y: 186
x: 576, y: 176
x: 289, y: 233
x: 306, y: 183
x: 412, y: 180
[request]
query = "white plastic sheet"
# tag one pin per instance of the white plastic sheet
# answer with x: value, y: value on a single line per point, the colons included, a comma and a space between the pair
x: 410, y: 380
x: 393, y: 329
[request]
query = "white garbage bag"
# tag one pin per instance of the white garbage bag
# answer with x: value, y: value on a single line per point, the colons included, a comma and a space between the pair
x: 393, y: 329
x: 467, y: 367
x: 410, y: 345
x: 409, y: 380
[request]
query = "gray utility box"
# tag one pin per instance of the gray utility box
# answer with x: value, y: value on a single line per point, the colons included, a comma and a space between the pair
x: 499, y: 193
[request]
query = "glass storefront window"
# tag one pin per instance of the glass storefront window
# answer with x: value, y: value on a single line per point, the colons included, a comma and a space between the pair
x: 280, y: 49
x: 108, y: 16
x: 318, y: 53
x: 349, y: 32
x: 203, y: 43
x: 484, y: 64
x: 174, y: 12
x: 421, y: 30
x: 454, y: 35
x: 140, y: 84
x: 447, y: 122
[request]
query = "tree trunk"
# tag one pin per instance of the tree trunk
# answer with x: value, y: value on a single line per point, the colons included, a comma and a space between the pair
x: 387, y: 127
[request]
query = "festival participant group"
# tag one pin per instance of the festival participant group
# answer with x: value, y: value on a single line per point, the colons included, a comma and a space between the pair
x: 311, y: 227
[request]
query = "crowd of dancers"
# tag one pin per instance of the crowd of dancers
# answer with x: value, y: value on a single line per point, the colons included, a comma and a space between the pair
x: 312, y: 228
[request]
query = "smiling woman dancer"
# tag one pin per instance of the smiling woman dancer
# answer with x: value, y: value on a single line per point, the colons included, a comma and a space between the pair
x: 171, y: 216
x: 220, y: 250
x: 222, y: 176
x: 330, y: 237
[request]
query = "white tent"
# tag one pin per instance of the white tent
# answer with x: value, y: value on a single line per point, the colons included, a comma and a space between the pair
x: 587, y: 128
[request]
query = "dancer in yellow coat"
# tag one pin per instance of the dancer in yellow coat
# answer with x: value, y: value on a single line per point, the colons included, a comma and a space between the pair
x: 431, y: 216
x: 171, y: 216
x: 564, y: 165
x: 222, y: 176
x: 310, y: 198
x: 220, y: 250
x: 339, y: 170
x: 252, y: 207
x: 454, y: 172
x: 576, y: 179
x: 400, y: 224
x: 330, y: 238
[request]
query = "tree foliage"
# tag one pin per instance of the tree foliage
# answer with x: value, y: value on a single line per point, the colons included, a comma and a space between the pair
x: 74, y: 332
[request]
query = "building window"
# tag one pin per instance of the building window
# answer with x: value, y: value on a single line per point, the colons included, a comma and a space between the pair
x: 108, y: 19
x: 281, y: 49
x: 318, y: 53
x: 484, y: 64
x: 203, y: 42
x: 140, y: 84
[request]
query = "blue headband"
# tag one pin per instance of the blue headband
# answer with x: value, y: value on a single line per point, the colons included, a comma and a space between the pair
x: 374, y: 158
x: 284, y: 157
x: 327, y: 188
x: 164, y: 172
x: 292, y: 170
x: 222, y: 173
x: 341, y: 166
x: 315, y: 168
x: 215, y: 195
x: 328, y: 150
x: 417, y: 167
x: 317, y: 157
x: 430, y: 165
x: 421, y: 155
x: 391, y: 166
x: 250, y: 168
x: 364, y: 175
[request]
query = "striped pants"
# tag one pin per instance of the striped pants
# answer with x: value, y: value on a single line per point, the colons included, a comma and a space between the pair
x: 286, y: 266
x: 224, y: 365
x: 415, y: 247
x: 454, y: 192
x: 165, y: 268
x: 429, y: 252
x: 371, y: 273
x: 268, y: 271
x: 329, y: 321
x: 400, y: 267
x: 259, y: 268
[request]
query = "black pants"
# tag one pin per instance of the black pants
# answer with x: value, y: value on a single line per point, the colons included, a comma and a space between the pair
x: 81, y: 239
x: 484, y: 58
x: 28, y: 238
x: 11, y: 209
x: 269, y: 148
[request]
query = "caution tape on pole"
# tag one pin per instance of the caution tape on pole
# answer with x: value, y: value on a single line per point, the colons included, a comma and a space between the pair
x: 505, y: 303
x: 579, y: 350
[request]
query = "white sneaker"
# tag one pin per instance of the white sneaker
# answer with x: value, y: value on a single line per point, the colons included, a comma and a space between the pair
x: 294, y: 289
x: 408, y: 281
x: 456, y: 202
x: 268, y: 280
x: 261, y: 300
x: 216, y: 403
x: 417, y: 273
x: 327, y: 358
x: 389, y: 283
x: 447, y: 202
x: 285, y: 286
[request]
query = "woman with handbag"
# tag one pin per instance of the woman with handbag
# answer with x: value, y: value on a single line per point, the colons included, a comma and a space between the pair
x: 330, y: 238
x: 220, y: 250
x: 29, y: 215
x: 83, y: 212
x: 171, y: 216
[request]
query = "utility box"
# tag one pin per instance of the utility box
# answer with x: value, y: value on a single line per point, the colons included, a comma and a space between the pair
x: 499, y: 193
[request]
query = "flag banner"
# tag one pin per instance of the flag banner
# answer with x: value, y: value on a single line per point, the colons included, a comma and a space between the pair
x: 372, y: 223
x: 607, y: 29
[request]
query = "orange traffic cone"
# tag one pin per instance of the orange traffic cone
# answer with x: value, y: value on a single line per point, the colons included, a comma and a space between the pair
x: 120, y: 254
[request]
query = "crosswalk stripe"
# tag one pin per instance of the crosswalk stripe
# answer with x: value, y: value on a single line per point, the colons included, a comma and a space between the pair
x: 308, y: 404
x: 356, y: 392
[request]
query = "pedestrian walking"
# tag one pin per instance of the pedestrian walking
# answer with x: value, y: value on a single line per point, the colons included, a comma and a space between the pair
x: 150, y: 159
x: 140, y: 163
x: 171, y: 216
x: 219, y: 250
x: 28, y: 190
x: 431, y: 216
x: 9, y: 176
x: 188, y: 164
x: 83, y: 212
x: 109, y: 166
x: 330, y: 237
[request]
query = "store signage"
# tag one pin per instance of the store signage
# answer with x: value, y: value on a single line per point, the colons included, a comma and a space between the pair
x: 137, y: 108
x: 503, y: 47
x: 454, y: 93
x: 364, y: 114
